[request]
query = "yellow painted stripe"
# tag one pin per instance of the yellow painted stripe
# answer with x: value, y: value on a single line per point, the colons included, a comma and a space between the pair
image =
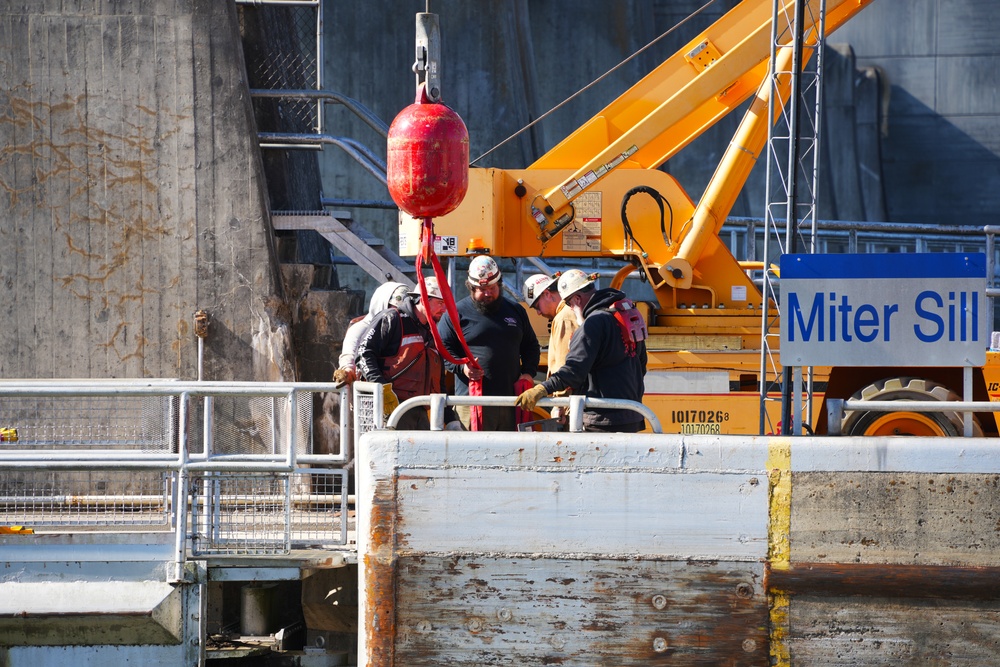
x: 779, y: 466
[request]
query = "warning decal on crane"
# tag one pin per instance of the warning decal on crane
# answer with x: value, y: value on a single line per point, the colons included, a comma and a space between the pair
x: 573, y: 187
x: 584, y: 233
x: 913, y: 309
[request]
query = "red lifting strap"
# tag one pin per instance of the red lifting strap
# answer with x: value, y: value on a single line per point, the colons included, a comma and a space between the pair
x: 427, y: 253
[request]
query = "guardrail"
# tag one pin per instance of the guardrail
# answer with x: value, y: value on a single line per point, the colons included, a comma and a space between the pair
x: 836, y: 407
x: 228, y: 467
x: 368, y: 407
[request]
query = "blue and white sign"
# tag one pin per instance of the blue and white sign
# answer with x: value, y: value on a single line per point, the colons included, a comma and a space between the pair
x: 924, y: 309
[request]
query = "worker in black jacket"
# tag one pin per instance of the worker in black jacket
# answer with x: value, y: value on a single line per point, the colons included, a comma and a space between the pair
x: 607, y: 355
x: 398, y: 352
x: 501, y: 339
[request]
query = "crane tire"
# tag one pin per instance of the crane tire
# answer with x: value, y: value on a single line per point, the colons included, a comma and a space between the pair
x: 944, y: 424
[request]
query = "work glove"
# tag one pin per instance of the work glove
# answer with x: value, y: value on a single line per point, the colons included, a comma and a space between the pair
x: 454, y: 426
x: 529, y: 399
x: 389, y: 401
x: 344, y: 376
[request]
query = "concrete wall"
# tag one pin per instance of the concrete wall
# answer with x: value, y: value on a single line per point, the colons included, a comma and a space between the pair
x: 133, y: 195
x: 661, y: 549
x: 941, y: 138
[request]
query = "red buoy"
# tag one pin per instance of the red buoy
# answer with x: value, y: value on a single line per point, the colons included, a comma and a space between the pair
x: 427, y: 162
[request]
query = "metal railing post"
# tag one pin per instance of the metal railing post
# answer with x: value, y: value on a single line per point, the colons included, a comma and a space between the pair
x: 181, y: 494
x: 576, y: 403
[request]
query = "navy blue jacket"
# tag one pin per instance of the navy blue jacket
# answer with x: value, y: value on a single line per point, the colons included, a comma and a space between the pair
x: 598, y: 364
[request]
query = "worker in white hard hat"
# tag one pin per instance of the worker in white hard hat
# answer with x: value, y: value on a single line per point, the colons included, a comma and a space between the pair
x: 385, y: 295
x: 500, y: 337
x: 398, y: 352
x: 563, y: 325
x: 542, y: 293
x: 607, y: 356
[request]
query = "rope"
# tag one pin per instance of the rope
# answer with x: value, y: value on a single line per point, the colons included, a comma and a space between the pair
x: 427, y: 252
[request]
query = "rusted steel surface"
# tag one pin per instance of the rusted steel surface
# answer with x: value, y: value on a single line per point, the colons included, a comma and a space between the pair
x: 380, y: 575
x: 576, y: 549
x: 888, y: 581
x: 478, y: 609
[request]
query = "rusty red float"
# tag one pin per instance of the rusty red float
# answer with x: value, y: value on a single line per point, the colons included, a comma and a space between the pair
x: 428, y: 159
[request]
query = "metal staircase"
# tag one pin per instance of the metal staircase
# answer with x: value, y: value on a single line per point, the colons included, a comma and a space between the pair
x: 290, y: 73
x: 368, y: 251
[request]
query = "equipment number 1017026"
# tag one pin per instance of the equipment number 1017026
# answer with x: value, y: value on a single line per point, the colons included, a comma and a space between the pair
x: 702, y: 416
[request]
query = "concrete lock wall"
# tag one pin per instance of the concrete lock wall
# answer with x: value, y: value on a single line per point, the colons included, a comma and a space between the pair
x: 639, y: 550
x: 134, y: 196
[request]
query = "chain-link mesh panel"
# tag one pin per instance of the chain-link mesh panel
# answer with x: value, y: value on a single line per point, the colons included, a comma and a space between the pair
x: 283, y: 52
x: 84, y: 498
x: 319, y: 515
x: 251, y: 425
x: 268, y: 513
x: 367, y: 408
x: 143, y: 423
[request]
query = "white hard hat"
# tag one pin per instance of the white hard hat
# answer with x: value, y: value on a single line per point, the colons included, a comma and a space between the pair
x: 385, y: 295
x: 573, y: 281
x: 433, y: 289
x: 483, y: 271
x: 536, y: 285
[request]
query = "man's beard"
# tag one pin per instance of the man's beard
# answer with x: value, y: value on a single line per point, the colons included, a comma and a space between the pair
x: 487, y: 308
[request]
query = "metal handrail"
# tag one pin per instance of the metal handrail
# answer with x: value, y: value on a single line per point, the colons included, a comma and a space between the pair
x: 576, y: 404
x: 93, y: 459
x: 181, y: 465
x: 836, y: 407
x: 327, y: 96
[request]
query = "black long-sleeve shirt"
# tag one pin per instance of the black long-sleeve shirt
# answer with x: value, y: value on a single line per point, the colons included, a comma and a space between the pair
x: 598, y: 364
x: 502, y: 341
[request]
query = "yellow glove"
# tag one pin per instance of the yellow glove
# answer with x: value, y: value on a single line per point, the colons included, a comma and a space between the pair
x: 344, y: 376
x: 389, y: 401
x: 529, y: 399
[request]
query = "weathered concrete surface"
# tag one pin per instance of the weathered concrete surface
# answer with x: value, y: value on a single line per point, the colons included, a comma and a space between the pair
x: 578, y: 549
x: 654, y: 549
x: 133, y: 196
x: 907, y: 518
x: 940, y: 131
x: 86, y: 613
x: 319, y: 320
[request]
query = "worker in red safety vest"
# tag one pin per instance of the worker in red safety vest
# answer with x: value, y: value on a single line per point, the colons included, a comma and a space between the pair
x: 387, y: 294
x: 607, y: 355
x: 398, y: 352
